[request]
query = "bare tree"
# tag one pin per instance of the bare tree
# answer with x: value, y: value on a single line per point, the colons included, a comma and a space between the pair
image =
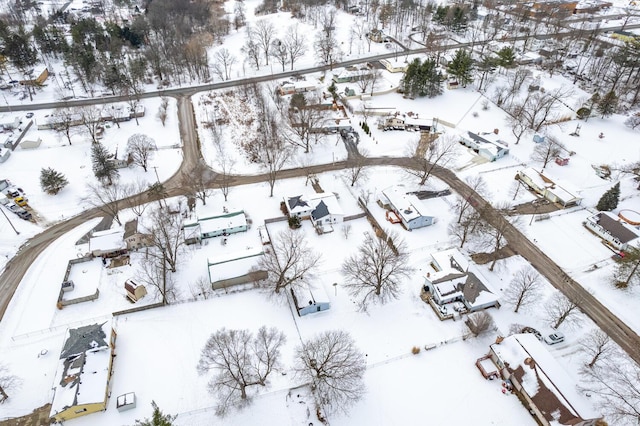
x: 295, y: 44
x: 335, y: 368
x: 279, y: 52
x: 538, y: 108
x: 560, y: 309
x: 168, y: 238
x: 596, y: 345
x: 162, y: 110
x: 627, y: 269
x: 129, y: 190
x: 197, y: 183
x: 290, y: 262
x: 225, y: 165
x: 63, y: 120
x: 616, y: 379
x: 303, y: 119
x: 91, y: 117
x: 263, y: 33
x: 106, y: 198
x: 516, y: 122
x: 8, y: 382
x: 547, y: 150
x: 425, y: 156
x: 494, y: 232
x: 140, y: 148
x: 271, y: 151
x: 356, y: 167
x: 153, y: 273
x: 469, y: 225
x: 251, y: 48
x: 240, y: 360
x: 201, y: 288
x: 223, y: 60
x: 328, y: 49
x: 463, y: 204
x: 480, y: 322
x: 374, y: 274
x: 524, y: 289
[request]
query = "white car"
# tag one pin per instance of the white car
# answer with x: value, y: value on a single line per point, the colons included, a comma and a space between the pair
x: 554, y: 338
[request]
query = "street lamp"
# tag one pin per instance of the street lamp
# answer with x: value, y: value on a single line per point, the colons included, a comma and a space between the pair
x: 5, y: 216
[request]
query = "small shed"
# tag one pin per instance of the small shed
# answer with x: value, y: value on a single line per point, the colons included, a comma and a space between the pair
x: 30, y: 143
x: 134, y: 291
x: 308, y: 300
x: 126, y: 401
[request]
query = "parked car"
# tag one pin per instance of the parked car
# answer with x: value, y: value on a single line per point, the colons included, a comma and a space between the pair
x: 13, y: 207
x: 21, y: 201
x: 554, y: 338
x: 24, y: 215
x: 29, y: 114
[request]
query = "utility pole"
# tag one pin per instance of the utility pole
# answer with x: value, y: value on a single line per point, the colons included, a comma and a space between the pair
x: 5, y: 216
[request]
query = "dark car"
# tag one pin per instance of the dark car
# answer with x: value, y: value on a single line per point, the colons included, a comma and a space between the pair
x: 24, y: 215
x: 533, y: 331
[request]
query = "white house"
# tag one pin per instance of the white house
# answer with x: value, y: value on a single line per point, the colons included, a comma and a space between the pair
x: 547, y: 187
x: 209, y: 225
x: 487, y: 148
x: 394, y: 65
x: 452, y: 278
x: 614, y: 231
x: 323, y: 209
x: 549, y: 391
x: 409, y: 209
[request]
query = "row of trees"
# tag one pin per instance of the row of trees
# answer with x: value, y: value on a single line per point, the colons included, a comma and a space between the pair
x: 329, y: 363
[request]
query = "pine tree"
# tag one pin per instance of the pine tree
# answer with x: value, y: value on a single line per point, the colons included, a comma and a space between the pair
x: 461, y: 67
x: 506, y: 57
x: 52, y: 181
x: 609, y: 199
x: 607, y: 104
x: 103, y: 169
x: 157, y: 418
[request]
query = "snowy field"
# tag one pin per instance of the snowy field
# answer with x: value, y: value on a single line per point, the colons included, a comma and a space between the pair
x: 158, y: 349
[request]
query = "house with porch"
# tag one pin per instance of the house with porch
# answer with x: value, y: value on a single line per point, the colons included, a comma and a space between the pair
x: 614, y: 231
x: 409, y: 209
x: 451, y: 278
x: 323, y: 208
x: 542, y: 383
x: 82, y: 381
x: 108, y: 243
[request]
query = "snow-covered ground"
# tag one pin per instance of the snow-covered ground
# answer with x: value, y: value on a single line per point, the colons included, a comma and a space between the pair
x: 158, y: 349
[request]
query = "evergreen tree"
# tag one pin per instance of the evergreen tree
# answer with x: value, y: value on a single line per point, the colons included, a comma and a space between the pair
x: 607, y: 104
x: 104, y: 169
x: 157, y: 418
x: 430, y: 79
x: 506, y: 57
x: 609, y: 199
x: 52, y: 181
x: 461, y: 67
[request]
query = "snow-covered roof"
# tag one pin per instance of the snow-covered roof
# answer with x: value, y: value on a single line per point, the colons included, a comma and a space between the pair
x: 315, y: 295
x: 309, y: 203
x: 83, y: 369
x: 228, y: 265
x: 224, y: 221
x: 406, y: 205
x: 110, y: 239
x: 543, y: 378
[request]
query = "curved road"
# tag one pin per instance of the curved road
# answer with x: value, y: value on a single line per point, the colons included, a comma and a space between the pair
x: 622, y: 334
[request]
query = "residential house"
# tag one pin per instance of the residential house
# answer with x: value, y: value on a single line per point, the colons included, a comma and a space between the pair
x: 134, y: 290
x: 82, y: 381
x: 487, y: 148
x: 547, y: 188
x: 302, y: 86
x: 614, y: 231
x: 376, y: 35
x: 543, y: 384
x: 310, y: 300
x: 57, y: 121
x: 108, y: 243
x: 410, y: 210
x: 209, y: 225
x: 235, y: 268
x: 451, y: 280
x: 321, y: 208
x: 133, y: 238
x: 352, y: 74
x: 394, y: 66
